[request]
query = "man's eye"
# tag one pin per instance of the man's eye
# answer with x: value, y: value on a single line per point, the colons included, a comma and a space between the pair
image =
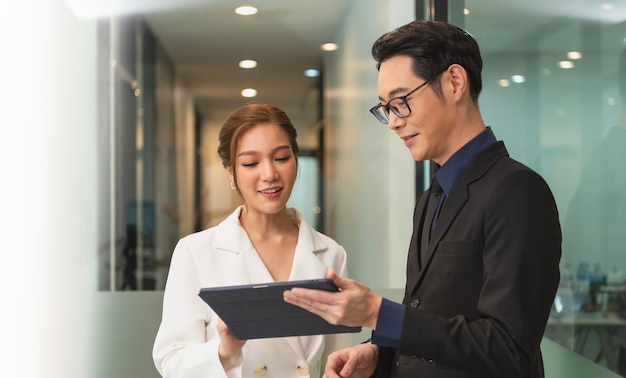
x: 398, y: 105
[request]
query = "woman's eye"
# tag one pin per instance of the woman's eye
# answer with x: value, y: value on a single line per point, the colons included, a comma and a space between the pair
x: 283, y: 158
x: 249, y: 164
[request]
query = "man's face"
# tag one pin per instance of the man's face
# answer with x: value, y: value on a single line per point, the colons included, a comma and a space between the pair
x: 427, y: 130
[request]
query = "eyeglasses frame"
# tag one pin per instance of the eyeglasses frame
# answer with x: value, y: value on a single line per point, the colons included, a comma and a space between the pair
x: 374, y: 109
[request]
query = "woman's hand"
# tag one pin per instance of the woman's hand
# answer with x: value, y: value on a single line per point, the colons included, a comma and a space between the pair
x: 230, y: 346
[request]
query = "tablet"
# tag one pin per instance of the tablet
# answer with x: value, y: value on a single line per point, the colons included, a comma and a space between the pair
x: 258, y: 311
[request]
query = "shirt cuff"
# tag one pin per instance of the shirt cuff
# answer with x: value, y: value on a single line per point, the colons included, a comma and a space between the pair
x: 389, y: 324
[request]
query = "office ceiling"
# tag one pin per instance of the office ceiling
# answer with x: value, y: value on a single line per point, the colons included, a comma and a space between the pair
x: 205, y: 39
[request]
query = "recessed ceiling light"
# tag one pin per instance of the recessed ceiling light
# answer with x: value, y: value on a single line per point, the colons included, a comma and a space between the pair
x: 566, y: 64
x: 504, y: 83
x: 607, y: 6
x: 311, y: 72
x: 329, y: 47
x: 246, y: 10
x: 247, y: 63
x: 249, y: 92
x: 574, y: 55
x: 466, y: 11
x: 518, y: 79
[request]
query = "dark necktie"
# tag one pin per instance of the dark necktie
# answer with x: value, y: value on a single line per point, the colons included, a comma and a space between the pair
x: 429, y: 221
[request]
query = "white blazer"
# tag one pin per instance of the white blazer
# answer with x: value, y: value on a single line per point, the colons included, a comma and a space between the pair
x: 187, y: 340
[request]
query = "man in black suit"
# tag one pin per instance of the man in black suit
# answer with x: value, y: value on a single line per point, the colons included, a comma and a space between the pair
x: 481, y: 280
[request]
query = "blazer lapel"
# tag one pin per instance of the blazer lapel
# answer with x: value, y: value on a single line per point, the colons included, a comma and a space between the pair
x: 453, y: 204
x: 414, y: 267
x: 451, y: 207
x: 248, y: 266
x: 306, y: 265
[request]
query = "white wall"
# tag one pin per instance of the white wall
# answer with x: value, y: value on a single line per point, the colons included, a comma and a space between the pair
x: 369, y: 175
x: 48, y: 152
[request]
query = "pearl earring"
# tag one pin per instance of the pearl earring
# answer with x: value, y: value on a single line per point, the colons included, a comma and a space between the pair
x: 232, y: 185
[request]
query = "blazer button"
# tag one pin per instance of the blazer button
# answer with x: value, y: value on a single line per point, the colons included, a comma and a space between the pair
x: 302, y: 370
x: 415, y: 302
x: 260, y: 370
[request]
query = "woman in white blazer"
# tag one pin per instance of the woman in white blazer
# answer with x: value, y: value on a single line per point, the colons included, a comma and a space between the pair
x: 261, y: 241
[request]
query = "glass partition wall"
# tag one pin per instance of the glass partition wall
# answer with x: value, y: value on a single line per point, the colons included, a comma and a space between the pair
x: 137, y: 159
x: 552, y: 77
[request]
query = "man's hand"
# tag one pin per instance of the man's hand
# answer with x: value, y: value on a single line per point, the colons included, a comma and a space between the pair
x: 354, y: 305
x: 358, y: 361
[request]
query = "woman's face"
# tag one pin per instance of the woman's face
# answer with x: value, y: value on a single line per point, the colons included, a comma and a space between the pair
x: 266, y: 168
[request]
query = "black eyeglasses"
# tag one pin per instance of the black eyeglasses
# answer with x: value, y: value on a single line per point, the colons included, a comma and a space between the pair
x: 398, y: 105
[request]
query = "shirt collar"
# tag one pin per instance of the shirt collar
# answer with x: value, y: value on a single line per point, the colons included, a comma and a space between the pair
x: 448, y: 173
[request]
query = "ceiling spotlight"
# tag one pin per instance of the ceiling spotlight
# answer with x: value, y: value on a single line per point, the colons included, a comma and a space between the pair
x: 246, y: 10
x: 248, y: 92
x: 566, y: 64
x: 518, y: 79
x: 248, y: 63
x: 329, y: 47
x: 466, y: 11
x: 574, y: 55
x: 311, y: 72
x: 504, y: 83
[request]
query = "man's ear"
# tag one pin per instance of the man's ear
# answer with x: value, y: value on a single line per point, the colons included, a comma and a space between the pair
x: 458, y: 81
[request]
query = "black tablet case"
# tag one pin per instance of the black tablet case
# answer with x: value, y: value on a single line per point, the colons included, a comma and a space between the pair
x: 258, y: 311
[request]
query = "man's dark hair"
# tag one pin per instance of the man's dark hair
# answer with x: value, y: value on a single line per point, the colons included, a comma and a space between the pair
x: 433, y: 46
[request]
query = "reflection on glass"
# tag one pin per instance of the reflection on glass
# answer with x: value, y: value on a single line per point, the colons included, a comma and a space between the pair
x: 137, y: 165
x: 562, y: 121
x: 595, y: 233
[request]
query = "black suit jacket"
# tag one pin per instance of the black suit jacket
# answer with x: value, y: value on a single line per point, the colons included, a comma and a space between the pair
x: 478, y: 304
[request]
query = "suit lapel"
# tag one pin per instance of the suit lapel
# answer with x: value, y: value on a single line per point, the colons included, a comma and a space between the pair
x: 451, y: 207
x: 413, y: 262
x: 307, y: 265
x: 453, y: 204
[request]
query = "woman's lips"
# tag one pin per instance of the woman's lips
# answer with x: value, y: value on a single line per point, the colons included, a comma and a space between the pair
x: 271, y: 192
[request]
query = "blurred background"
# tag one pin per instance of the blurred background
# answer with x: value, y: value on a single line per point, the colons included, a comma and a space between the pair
x: 111, y: 111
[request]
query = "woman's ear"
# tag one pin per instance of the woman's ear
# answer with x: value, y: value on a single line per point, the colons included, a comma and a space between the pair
x: 229, y: 170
